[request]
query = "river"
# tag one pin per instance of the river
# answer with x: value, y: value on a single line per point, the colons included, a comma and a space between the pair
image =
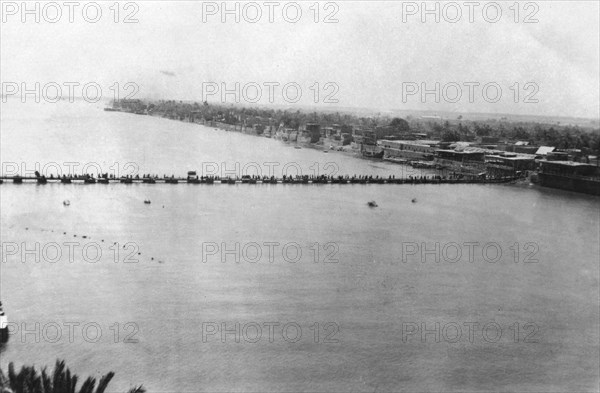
x: 466, y: 288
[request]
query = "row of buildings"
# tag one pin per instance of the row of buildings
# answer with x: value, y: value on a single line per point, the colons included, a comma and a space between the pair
x: 566, y: 169
x: 489, y: 157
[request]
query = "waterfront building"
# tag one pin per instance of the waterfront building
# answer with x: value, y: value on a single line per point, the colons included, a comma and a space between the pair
x: 364, y: 136
x: 304, y: 137
x: 332, y: 136
x: 509, y: 164
x: 365, y: 141
x: 461, y: 161
x: 285, y: 134
x: 408, y: 150
x: 314, y: 131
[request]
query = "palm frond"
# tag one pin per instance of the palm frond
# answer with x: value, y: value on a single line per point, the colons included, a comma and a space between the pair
x: 104, y: 381
x: 137, y: 389
x: 28, y: 380
x: 88, y: 385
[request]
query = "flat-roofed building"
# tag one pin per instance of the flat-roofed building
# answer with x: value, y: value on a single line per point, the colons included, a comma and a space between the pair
x: 543, y: 150
x: 509, y: 164
x: 461, y: 161
x: 408, y: 150
x: 557, y: 156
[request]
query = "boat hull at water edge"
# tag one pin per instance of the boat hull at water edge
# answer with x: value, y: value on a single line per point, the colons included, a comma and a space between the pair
x: 3, y: 335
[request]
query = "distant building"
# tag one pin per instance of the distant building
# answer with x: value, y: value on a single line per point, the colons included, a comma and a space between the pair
x: 407, y: 150
x: 525, y: 149
x: 461, y: 161
x: 364, y: 136
x: 489, y: 139
x: 312, y: 131
x: 332, y: 136
x: 557, y: 156
x: 509, y: 164
x: 543, y: 150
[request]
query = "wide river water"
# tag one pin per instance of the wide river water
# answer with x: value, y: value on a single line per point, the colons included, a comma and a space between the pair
x: 511, y: 304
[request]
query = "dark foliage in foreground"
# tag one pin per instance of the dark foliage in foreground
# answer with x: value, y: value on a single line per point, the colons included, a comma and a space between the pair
x: 61, y: 380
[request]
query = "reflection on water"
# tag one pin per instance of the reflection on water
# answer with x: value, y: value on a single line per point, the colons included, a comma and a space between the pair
x: 186, y: 280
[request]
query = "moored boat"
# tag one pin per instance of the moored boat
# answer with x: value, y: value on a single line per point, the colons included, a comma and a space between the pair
x: 371, y: 151
x: 3, y: 326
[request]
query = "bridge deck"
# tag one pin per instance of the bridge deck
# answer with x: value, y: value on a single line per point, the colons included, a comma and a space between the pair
x: 375, y: 180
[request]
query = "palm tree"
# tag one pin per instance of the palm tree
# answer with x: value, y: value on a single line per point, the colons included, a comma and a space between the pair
x: 27, y: 380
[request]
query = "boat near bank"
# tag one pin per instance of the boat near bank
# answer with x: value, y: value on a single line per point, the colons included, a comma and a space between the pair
x: 571, y: 176
x: 3, y: 326
x: 423, y: 164
x: 371, y: 151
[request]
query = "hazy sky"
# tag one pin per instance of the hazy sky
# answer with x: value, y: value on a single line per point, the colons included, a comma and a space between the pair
x: 370, y: 54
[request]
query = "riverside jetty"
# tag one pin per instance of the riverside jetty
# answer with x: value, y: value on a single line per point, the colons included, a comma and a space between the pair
x: 88, y: 179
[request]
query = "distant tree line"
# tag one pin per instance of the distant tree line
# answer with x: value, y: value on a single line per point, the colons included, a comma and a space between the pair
x: 560, y: 137
x: 556, y: 135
